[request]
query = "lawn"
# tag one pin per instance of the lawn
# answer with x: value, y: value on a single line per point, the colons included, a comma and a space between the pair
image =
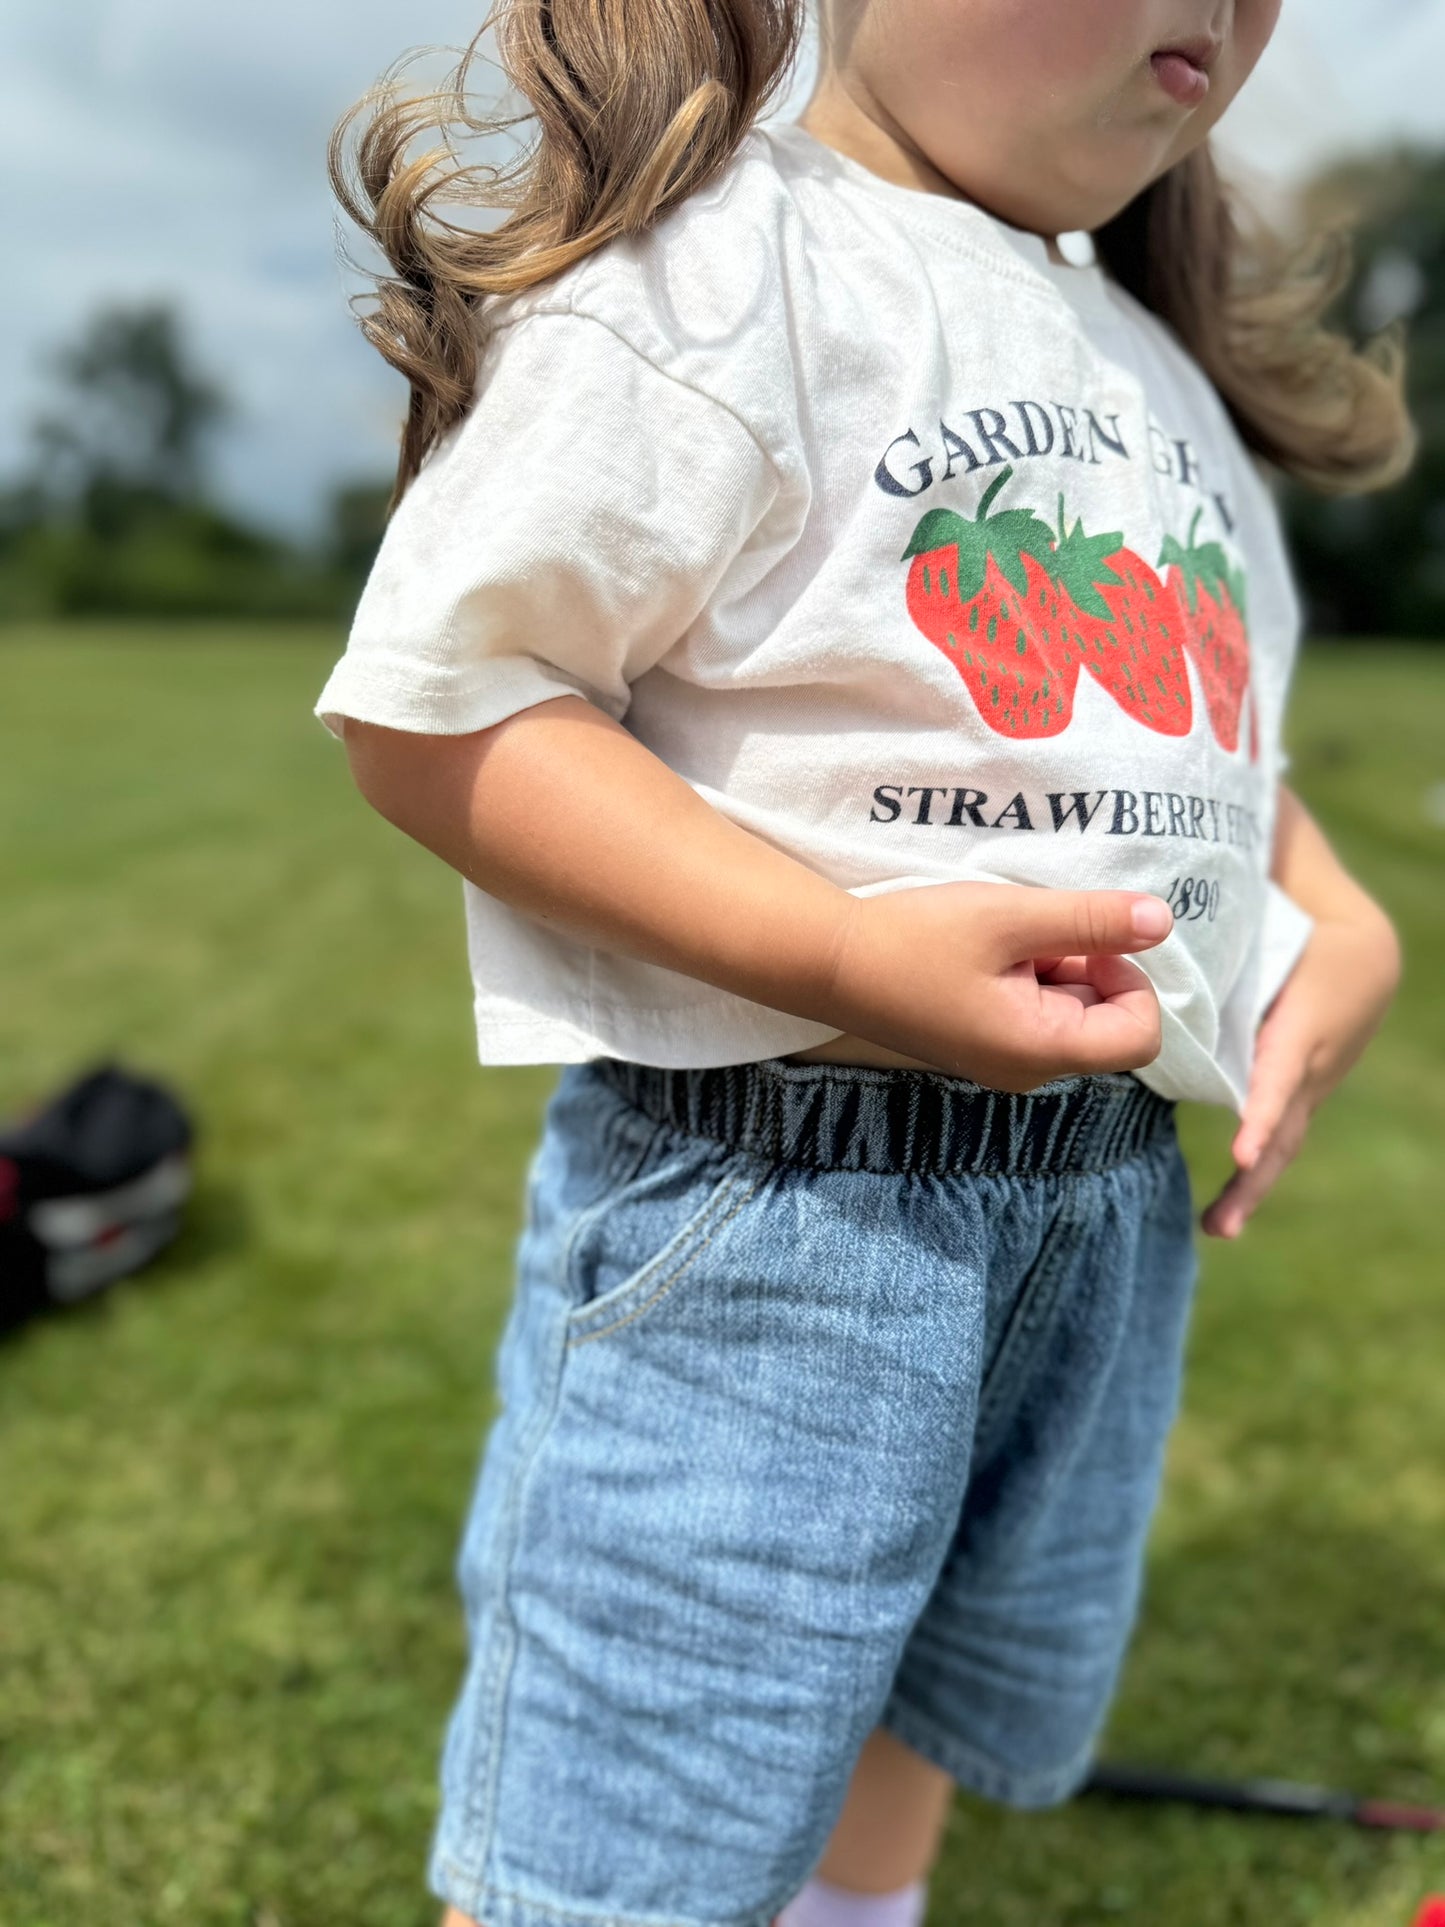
x: 230, y: 1490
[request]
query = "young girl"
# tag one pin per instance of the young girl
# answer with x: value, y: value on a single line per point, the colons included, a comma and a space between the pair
x: 842, y: 644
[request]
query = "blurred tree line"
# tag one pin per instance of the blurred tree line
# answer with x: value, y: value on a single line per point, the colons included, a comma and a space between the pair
x: 114, y: 513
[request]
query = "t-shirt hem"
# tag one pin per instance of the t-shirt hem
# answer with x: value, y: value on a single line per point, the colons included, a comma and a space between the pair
x: 444, y: 704
x: 649, y: 1037
x: 508, y: 1037
x: 1288, y: 929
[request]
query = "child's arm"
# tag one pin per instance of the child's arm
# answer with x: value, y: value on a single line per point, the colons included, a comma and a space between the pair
x: 560, y: 812
x: 1331, y: 1004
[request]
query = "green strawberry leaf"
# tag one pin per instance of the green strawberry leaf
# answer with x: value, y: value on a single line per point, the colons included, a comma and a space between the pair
x: 1079, y: 563
x: 1203, y: 565
x: 1007, y: 537
x: 1234, y: 581
x: 939, y: 529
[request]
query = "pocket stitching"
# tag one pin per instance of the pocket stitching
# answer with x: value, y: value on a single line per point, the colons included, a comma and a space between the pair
x: 584, y: 1219
x: 637, y: 1311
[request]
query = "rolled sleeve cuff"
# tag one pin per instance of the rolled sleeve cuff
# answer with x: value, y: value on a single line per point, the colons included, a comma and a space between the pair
x: 444, y: 699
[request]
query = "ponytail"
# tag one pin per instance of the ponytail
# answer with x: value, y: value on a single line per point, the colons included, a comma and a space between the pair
x: 637, y: 104
x: 1250, y: 306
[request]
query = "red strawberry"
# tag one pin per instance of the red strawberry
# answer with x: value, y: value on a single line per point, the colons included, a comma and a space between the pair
x: 1211, y: 592
x: 981, y: 591
x: 1129, y: 628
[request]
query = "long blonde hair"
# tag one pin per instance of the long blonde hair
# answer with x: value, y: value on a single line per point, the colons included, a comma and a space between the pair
x: 637, y: 103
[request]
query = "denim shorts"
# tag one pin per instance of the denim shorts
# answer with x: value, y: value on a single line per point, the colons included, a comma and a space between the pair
x: 831, y: 1397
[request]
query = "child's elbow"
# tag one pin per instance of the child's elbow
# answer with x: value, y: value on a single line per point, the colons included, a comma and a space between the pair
x: 1389, y: 950
x: 382, y: 764
x: 421, y: 783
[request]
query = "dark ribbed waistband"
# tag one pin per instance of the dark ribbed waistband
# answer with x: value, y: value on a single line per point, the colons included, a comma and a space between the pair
x: 855, y: 1117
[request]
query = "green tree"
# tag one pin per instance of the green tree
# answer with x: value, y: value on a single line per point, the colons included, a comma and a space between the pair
x: 133, y: 421
x: 114, y: 516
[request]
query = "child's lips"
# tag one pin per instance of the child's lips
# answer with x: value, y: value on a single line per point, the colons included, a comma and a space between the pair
x: 1180, y: 77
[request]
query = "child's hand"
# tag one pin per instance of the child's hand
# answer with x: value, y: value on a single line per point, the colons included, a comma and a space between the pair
x: 1317, y: 1026
x: 1005, y: 984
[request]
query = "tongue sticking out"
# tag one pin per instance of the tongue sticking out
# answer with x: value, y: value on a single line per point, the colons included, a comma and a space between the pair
x: 1180, y: 78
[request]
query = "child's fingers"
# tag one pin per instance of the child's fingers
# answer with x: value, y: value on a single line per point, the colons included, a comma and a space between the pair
x: 1120, y: 1032
x: 1082, y: 994
x: 1047, y: 923
x: 1227, y: 1216
x: 1110, y: 976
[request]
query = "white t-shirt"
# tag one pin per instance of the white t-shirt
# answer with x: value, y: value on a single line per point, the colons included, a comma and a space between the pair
x: 917, y: 555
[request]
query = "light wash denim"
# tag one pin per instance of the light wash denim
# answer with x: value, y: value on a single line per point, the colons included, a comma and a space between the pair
x: 831, y: 1397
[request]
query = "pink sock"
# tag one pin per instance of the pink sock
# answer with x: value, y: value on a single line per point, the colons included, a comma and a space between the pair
x: 820, y: 1905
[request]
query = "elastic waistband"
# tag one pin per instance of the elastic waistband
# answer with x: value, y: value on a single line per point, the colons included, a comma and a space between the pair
x: 855, y: 1117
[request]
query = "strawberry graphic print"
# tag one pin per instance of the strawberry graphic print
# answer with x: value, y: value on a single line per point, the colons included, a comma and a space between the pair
x: 982, y: 591
x: 1212, y: 593
x: 1129, y: 626
x: 1022, y: 610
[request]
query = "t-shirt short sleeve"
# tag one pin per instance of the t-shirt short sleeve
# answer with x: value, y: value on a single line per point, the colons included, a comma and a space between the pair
x: 558, y: 541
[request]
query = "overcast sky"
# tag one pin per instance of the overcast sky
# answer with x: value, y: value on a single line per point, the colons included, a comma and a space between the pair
x: 159, y: 149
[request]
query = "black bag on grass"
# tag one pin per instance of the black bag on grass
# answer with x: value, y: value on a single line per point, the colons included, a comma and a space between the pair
x: 91, y: 1188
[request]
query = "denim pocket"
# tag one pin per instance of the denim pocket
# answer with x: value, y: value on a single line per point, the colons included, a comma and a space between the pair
x: 1038, y: 1295
x: 635, y: 1244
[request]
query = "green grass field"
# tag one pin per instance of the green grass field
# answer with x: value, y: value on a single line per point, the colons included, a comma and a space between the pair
x: 230, y: 1490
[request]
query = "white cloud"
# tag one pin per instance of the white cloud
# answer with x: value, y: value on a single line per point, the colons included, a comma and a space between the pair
x: 165, y: 154
x: 178, y: 150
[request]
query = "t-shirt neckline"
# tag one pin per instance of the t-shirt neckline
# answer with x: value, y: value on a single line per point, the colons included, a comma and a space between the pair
x: 1084, y: 287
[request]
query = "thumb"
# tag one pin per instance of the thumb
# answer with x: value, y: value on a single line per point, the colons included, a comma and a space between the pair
x: 1089, y: 923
